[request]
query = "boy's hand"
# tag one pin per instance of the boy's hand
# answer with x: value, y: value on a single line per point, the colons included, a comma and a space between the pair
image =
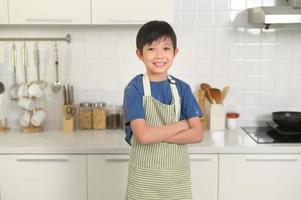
x: 184, y: 124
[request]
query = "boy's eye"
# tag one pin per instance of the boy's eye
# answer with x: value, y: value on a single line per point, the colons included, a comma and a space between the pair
x: 150, y: 49
x: 167, y: 48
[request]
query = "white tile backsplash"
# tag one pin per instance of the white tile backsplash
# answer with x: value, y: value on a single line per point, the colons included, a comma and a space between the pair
x: 216, y: 43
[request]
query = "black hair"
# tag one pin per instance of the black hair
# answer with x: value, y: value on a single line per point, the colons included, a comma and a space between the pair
x: 153, y: 30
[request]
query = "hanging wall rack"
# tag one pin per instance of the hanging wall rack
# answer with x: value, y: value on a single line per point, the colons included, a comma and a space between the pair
x: 66, y: 39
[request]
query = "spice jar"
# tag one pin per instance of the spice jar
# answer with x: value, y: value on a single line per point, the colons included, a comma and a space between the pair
x: 85, y: 115
x: 99, y: 115
x: 113, y: 117
x: 231, y: 120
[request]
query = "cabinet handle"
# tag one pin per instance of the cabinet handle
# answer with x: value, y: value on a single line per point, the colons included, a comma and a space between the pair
x: 42, y: 159
x: 117, y: 159
x: 128, y: 20
x: 200, y: 159
x: 49, y: 20
x: 271, y: 159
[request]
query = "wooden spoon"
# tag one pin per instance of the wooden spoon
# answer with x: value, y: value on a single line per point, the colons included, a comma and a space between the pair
x: 224, y: 93
x: 216, y: 94
x: 206, y: 87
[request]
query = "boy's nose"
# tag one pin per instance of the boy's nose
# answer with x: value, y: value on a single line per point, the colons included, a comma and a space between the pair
x: 158, y: 53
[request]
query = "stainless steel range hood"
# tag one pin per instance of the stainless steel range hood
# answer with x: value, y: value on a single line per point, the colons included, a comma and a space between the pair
x: 284, y: 14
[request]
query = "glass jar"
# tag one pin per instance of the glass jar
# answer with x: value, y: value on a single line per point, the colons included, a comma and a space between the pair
x: 99, y: 115
x: 121, y: 111
x: 85, y: 115
x: 113, y: 117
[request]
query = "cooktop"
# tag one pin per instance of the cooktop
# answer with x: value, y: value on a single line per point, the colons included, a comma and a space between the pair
x: 264, y: 135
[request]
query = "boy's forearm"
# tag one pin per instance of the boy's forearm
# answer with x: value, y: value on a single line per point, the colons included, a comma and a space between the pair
x: 192, y: 135
x: 153, y: 134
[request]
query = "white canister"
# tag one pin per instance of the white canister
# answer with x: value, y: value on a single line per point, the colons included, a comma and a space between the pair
x: 231, y: 120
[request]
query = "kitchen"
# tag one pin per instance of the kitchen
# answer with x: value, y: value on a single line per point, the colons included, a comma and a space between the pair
x: 217, y: 45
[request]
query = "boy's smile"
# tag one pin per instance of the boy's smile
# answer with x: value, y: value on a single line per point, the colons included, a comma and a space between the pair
x: 158, y: 57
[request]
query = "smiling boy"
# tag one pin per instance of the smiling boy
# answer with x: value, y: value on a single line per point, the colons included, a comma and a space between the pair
x: 163, y: 116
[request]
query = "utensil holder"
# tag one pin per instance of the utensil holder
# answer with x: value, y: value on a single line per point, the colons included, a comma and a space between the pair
x: 68, y: 119
x: 217, y: 117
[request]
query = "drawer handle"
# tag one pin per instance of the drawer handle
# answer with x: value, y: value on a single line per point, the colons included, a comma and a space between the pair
x: 271, y: 159
x: 42, y: 159
x: 117, y: 159
x: 49, y: 20
x: 200, y: 159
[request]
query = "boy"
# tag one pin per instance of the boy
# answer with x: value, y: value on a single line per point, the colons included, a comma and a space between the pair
x: 161, y: 116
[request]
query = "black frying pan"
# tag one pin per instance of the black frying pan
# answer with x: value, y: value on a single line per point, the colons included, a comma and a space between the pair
x: 287, y: 119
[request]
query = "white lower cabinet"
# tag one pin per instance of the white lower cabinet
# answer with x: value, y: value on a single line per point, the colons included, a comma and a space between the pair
x: 261, y: 177
x: 204, y: 176
x: 107, y: 176
x: 45, y: 177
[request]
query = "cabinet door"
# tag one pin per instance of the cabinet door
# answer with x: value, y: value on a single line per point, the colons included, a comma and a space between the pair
x: 131, y: 11
x: 46, y: 177
x: 107, y: 176
x: 204, y: 176
x: 3, y: 12
x: 49, y: 12
x: 268, y: 177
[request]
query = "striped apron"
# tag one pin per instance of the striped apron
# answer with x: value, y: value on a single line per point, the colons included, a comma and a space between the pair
x: 161, y: 170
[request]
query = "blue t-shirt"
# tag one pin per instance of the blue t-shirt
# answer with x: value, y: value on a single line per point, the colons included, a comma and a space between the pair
x: 133, y: 103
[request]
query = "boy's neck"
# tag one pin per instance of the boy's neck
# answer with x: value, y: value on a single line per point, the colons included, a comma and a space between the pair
x: 157, y: 77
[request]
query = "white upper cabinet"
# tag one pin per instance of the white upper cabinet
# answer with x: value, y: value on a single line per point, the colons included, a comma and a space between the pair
x: 49, y: 12
x: 3, y: 12
x: 131, y: 11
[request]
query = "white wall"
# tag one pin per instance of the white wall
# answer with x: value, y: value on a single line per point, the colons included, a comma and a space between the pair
x: 217, y: 45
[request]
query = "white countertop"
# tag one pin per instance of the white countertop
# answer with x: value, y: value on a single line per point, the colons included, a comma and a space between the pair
x: 112, y: 142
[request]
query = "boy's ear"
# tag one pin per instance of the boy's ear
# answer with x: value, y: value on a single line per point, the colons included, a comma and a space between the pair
x: 176, y: 51
x: 139, y: 54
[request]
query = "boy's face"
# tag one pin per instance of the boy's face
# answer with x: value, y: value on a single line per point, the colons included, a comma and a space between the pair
x: 158, y: 57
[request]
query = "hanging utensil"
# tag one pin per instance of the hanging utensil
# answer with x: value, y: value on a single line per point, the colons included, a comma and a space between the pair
x: 2, y: 87
x: 25, y: 61
x: 36, y: 54
x: 13, y: 90
x: 56, y: 86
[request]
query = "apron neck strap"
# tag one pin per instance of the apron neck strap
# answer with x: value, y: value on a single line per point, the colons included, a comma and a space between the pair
x: 146, y: 85
x: 174, y: 90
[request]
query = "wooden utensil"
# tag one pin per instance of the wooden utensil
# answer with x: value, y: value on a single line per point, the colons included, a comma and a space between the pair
x: 201, y: 102
x: 216, y: 95
x: 206, y: 87
x: 225, y: 91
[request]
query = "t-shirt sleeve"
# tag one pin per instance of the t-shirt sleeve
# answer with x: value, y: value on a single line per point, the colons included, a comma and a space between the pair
x: 132, y: 104
x: 189, y: 105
